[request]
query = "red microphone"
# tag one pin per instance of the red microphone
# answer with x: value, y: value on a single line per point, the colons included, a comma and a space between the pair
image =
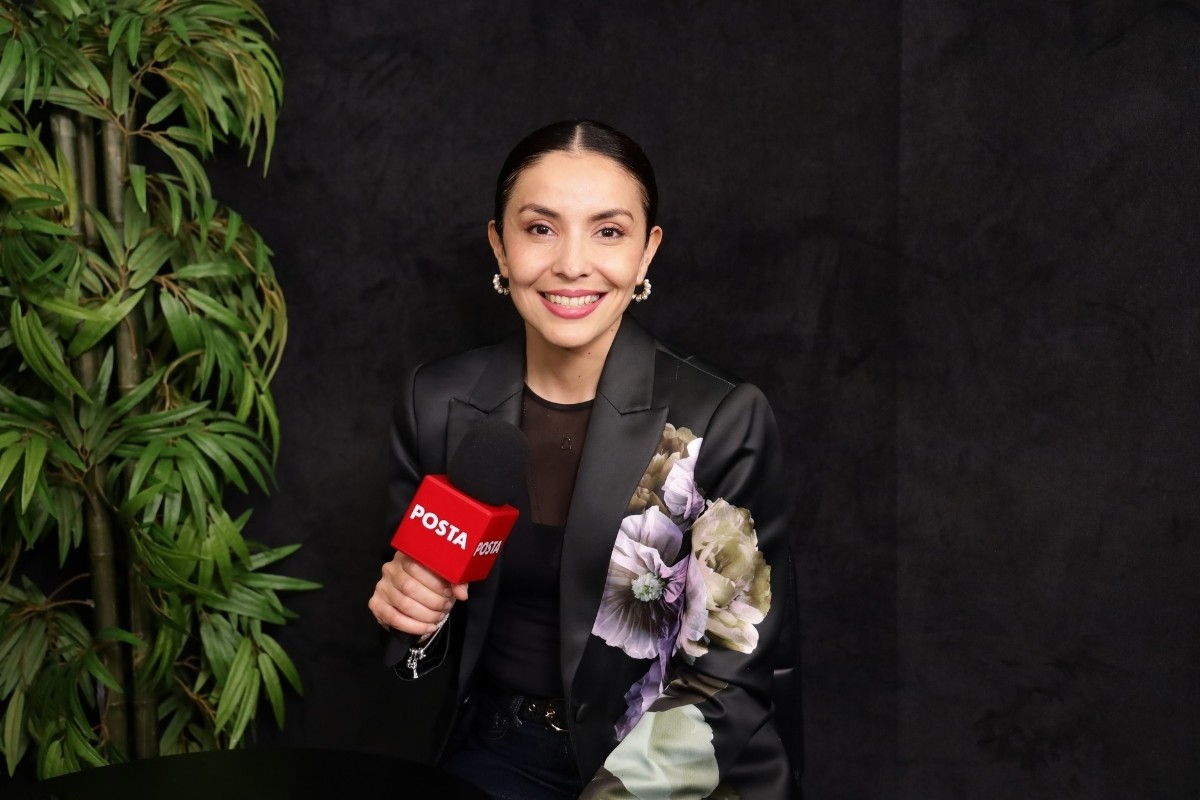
x: 457, y: 523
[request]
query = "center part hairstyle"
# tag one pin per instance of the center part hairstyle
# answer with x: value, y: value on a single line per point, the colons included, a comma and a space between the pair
x: 578, y: 136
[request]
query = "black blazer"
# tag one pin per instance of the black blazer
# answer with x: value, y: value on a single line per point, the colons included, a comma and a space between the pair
x: 722, y: 700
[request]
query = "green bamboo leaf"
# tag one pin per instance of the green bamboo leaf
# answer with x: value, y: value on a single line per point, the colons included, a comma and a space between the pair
x: 7, y: 438
x: 10, y: 63
x: 249, y: 603
x: 280, y: 583
x: 11, y: 140
x: 212, y: 447
x: 163, y: 107
x: 75, y: 100
x: 78, y: 734
x: 33, y: 650
x: 184, y: 328
x: 134, y: 38
x: 216, y: 549
x: 120, y: 635
x: 194, y: 491
x: 218, y: 641
x: 120, y: 86
x: 171, y: 511
x: 65, y: 254
x: 148, y: 258
x: 180, y: 27
x: 169, y: 743
x: 26, y: 407
x: 109, y: 234
x: 218, y: 311
x: 162, y: 419
x: 210, y: 269
x: 146, y: 461
x: 252, y: 460
x: 35, y: 456
x: 237, y: 683
x: 68, y: 308
x: 195, y: 179
x: 231, y: 533
x: 16, y: 738
x: 82, y: 72
x: 266, y: 411
x: 24, y: 204
x: 188, y: 136
x: 111, y: 313
x: 8, y: 461
x: 60, y: 375
x: 134, y: 223
x: 150, y: 496
x: 10, y: 666
x: 33, y: 69
x: 36, y: 224
x: 268, y: 557
x: 246, y: 398
x: 281, y: 659
x: 64, y: 453
x: 176, y: 203
x: 137, y: 180
x: 231, y: 230
x: 118, y: 27
x: 95, y: 667
x: 270, y: 680
x: 50, y: 759
x: 247, y: 709
x: 70, y: 522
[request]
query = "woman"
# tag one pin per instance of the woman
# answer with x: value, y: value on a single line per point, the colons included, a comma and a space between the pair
x: 623, y: 645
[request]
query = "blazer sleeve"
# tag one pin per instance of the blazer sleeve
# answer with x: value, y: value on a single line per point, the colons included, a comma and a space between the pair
x: 695, y: 737
x: 406, y: 474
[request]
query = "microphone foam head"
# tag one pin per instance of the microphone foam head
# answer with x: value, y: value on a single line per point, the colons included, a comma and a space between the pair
x: 490, y: 462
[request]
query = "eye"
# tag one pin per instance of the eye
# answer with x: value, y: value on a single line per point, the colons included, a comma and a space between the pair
x: 539, y: 229
x: 610, y: 232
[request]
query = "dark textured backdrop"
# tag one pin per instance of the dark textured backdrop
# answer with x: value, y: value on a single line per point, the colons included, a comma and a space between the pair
x: 950, y: 243
x: 954, y: 246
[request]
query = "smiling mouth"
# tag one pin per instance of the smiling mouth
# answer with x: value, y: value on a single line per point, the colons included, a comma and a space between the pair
x: 572, y: 302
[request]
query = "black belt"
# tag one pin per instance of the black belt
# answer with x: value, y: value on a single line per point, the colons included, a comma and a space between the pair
x: 549, y: 713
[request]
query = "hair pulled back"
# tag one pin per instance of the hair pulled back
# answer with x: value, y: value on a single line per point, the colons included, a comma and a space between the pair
x: 578, y: 136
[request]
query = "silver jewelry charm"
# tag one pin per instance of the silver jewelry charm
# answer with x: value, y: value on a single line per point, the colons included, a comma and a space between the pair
x: 641, y: 291
x: 500, y: 284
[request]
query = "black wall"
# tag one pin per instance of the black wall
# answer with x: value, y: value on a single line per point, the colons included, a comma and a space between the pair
x: 953, y: 242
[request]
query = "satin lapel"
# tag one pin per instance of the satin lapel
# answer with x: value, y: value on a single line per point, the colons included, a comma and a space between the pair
x: 497, y: 395
x: 622, y: 434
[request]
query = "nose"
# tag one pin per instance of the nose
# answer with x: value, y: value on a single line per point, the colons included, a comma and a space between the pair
x: 573, y: 258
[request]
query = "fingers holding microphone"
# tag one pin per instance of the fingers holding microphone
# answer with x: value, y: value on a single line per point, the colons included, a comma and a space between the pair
x: 409, y: 597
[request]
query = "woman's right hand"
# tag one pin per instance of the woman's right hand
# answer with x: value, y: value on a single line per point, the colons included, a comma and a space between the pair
x: 411, y: 598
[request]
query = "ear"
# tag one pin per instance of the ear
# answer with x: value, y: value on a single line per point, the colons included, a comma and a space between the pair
x: 497, y: 244
x: 652, y: 243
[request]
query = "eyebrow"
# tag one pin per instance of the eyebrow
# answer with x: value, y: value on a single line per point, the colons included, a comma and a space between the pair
x: 597, y: 217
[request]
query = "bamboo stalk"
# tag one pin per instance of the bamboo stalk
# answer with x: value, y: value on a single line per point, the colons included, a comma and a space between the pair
x: 75, y: 146
x: 131, y: 371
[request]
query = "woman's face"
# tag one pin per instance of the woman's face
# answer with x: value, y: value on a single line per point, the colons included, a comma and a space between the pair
x: 574, y: 248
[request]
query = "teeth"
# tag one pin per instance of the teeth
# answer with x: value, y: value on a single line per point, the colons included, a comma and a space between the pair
x: 572, y: 302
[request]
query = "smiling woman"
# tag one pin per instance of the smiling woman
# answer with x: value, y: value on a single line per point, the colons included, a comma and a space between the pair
x: 577, y: 245
x: 624, y: 644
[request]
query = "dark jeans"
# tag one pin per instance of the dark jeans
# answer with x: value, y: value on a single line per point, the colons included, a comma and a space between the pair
x: 511, y: 759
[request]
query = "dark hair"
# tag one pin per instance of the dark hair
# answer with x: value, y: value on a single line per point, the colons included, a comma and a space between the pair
x: 578, y: 136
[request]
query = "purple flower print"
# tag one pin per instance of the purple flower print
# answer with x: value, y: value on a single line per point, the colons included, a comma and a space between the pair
x: 643, y: 593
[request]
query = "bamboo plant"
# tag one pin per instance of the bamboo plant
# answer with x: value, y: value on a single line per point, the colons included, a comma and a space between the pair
x: 140, y: 326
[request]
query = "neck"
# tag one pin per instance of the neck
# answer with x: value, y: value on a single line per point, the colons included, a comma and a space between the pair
x: 561, y: 375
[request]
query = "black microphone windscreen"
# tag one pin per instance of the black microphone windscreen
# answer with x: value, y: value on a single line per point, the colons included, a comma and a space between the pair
x: 489, y: 464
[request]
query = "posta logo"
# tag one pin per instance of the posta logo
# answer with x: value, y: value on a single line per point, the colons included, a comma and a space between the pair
x: 441, y: 527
